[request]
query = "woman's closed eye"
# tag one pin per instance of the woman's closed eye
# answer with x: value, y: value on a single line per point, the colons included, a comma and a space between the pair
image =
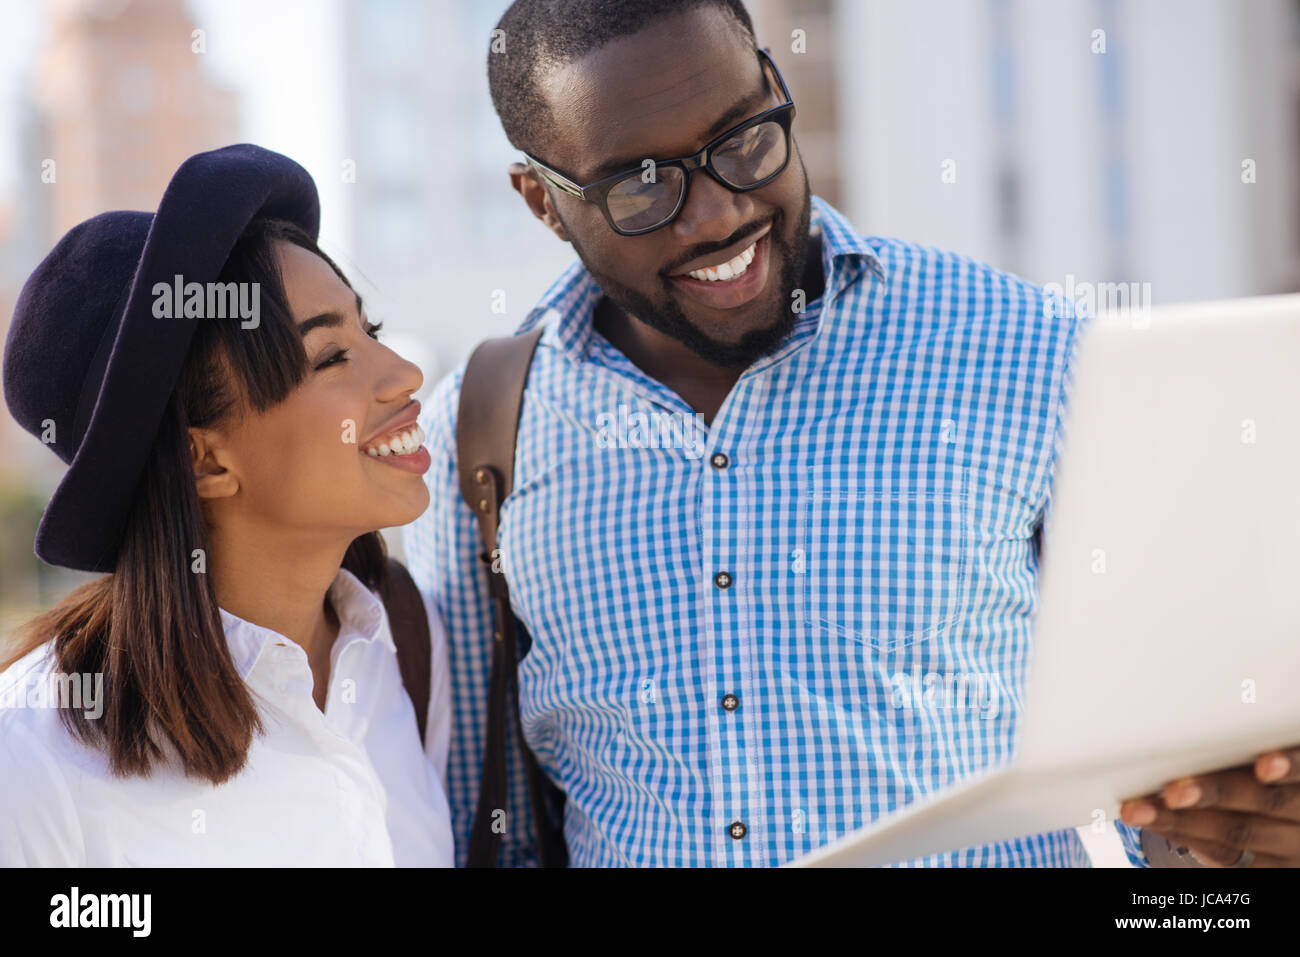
x: 372, y: 330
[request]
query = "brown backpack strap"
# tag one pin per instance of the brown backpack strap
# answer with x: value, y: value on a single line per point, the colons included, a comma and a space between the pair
x: 409, y: 623
x: 487, y: 426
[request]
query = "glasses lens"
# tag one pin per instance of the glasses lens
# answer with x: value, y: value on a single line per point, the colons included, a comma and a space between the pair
x: 751, y: 156
x: 636, y: 204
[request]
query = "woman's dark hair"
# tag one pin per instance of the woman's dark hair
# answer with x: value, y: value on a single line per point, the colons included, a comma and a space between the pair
x: 152, y: 627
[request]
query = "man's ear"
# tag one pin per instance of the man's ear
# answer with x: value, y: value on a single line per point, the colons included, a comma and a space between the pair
x: 212, y: 478
x: 528, y: 184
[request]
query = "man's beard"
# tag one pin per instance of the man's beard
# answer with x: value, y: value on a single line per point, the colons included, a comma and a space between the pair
x: 669, y: 319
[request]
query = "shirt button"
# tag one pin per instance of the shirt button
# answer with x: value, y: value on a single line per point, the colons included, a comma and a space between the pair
x: 730, y: 702
x: 722, y: 580
x: 737, y: 830
x: 719, y: 461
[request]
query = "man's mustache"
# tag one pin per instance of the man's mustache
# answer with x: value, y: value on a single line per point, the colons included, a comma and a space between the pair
x: 699, y: 252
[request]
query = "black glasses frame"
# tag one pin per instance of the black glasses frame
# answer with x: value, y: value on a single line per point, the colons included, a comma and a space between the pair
x: 598, y: 191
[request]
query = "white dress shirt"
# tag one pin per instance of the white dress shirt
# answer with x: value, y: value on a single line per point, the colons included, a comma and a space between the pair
x: 350, y: 786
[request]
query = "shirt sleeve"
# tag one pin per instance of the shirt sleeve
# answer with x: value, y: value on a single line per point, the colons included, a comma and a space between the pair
x: 1074, y: 320
x: 39, y: 826
x: 1131, y: 838
x: 442, y: 548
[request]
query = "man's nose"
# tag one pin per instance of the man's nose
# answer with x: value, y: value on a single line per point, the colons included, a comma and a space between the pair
x: 712, y: 212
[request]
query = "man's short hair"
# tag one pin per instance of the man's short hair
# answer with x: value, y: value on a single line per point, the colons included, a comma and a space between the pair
x: 541, y: 35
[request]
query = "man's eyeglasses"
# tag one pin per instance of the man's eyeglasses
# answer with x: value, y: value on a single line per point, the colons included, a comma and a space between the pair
x: 745, y: 157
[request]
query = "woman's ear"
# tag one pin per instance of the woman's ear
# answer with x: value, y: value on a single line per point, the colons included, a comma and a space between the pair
x: 207, y: 455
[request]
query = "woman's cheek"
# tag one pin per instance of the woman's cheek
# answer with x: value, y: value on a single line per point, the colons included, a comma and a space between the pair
x: 308, y: 462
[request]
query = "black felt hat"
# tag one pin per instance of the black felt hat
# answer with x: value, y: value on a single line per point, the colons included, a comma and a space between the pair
x: 87, y: 366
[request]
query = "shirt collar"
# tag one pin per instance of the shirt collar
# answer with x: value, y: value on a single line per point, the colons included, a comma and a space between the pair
x: 361, y: 617
x: 845, y: 252
x: 569, y: 303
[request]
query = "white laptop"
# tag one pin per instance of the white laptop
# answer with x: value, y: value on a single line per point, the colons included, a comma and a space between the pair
x: 1168, y: 634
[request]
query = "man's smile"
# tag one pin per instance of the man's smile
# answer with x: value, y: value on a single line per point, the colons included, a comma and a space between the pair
x: 730, y: 278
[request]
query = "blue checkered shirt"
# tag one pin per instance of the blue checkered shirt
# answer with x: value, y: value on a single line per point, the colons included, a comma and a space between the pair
x: 752, y: 637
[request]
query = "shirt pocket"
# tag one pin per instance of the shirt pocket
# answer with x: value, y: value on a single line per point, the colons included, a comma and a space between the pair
x: 885, y: 563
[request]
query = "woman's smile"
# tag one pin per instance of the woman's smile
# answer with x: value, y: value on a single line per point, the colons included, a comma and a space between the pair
x: 416, y: 460
x: 401, y: 443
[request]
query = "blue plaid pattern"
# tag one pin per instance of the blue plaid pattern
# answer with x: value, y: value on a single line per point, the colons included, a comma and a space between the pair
x: 735, y: 662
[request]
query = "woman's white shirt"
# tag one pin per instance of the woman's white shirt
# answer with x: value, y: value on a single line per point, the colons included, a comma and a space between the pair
x: 348, y: 787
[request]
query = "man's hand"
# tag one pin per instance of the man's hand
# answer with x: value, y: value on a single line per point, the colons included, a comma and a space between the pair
x: 1247, y: 816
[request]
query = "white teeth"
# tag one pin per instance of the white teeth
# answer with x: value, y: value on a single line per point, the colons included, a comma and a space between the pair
x: 404, y: 443
x: 728, y: 270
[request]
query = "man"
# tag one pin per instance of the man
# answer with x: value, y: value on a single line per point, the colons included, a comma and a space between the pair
x: 777, y: 490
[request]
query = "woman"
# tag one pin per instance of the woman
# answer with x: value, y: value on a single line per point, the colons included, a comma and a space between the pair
x: 230, y: 693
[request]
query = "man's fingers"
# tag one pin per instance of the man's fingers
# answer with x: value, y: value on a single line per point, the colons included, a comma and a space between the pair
x: 1279, y: 767
x: 1217, y: 816
x: 1235, y: 790
x: 1212, y: 854
x: 1232, y: 829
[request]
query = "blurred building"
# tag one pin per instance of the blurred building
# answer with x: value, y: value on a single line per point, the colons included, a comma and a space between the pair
x: 124, y: 99
x: 800, y: 35
x: 445, y: 244
x: 1093, y: 138
x: 116, y: 98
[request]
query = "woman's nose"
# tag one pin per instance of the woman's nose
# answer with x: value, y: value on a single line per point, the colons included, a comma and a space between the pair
x: 401, y: 377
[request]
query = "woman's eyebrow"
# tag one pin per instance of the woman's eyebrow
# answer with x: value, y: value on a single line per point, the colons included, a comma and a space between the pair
x: 327, y: 319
